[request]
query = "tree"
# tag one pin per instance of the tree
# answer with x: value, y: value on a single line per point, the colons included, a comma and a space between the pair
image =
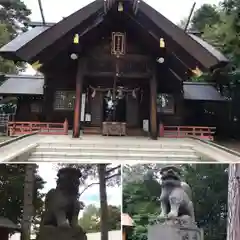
x: 209, y: 187
x: 6, y: 66
x: 90, y: 221
x: 12, y: 177
x: 14, y: 20
x: 206, y: 15
x: 233, y: 228
x: 182, y: 24
x: 15, y: 15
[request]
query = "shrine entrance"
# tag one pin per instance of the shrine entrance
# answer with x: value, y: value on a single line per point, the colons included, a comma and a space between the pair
x: 115, y: 105
x: 114, y: 110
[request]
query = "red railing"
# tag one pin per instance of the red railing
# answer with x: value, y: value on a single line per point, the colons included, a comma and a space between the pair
x: 46, y: 128
x: 187, y: 131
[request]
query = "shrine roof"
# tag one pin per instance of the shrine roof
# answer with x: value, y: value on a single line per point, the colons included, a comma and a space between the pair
x: 214, y: 51
x: 201, y: 92
x: 22, y: 85
x: 19, y: 42
x: 30, y: 45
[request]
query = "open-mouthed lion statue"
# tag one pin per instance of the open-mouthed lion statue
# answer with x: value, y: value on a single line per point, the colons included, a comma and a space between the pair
x: 61, y: 204
x: 176, y: 196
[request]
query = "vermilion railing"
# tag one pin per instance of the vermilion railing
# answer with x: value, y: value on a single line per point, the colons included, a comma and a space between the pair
x: 206, y: 133
x: 46, y: 128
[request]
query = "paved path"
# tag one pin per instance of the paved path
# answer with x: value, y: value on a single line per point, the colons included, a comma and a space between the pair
x: 18, y: 146
x: 208, y: 152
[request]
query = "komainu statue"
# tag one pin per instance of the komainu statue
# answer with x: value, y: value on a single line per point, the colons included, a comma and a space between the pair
x: 176, y: 199
x: 60, y: 219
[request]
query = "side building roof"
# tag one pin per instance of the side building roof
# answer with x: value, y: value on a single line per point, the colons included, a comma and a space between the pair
x: 22, y: 85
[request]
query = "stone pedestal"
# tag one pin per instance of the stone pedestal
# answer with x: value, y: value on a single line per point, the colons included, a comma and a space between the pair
x: 61, y: 233
x: 174, y: 232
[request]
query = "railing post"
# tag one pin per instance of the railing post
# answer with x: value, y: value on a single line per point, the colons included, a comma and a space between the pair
x: 161, y: 130
x: 65, y: 126
x: 13, y: 129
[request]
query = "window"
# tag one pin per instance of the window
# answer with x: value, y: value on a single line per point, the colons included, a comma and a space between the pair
x: 165, y: 103
x: 64, y: 100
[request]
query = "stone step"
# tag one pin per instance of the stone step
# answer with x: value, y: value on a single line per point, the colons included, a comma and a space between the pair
x: 114, y: 144
x: 119, y: 156
x: 110, y: 160
x: 98, y: 149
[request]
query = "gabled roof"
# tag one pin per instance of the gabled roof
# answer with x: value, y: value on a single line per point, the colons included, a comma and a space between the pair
x: 11, y: 48
x: 150, y: 19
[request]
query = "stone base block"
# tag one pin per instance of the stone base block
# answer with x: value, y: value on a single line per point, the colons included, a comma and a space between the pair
x: 61, y: 233
x: 174, y: 232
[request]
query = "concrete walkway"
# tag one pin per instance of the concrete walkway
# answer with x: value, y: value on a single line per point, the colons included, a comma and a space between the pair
x: 208, y: 152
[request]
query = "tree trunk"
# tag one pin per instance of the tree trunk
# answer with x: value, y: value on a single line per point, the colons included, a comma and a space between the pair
x: 28, y: 201
x: 103, y: 201
x: 233, y: 228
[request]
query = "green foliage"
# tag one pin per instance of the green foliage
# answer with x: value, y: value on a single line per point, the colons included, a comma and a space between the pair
x: 13, y: 20
x: 209, y: 183
x: 207, y: 15
x: 15, y: 15
x: 90, y: 220
x: 12, y: 192
x: 140, y: 201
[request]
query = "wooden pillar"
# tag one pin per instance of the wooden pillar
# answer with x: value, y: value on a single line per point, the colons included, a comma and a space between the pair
x: 47, y: 98
x: 153, y: 107
x: 78, y: 100
x: 28, y: 201
x: 124, y: 235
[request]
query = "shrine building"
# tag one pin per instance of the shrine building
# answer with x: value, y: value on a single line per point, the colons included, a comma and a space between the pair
x: 113, y: 67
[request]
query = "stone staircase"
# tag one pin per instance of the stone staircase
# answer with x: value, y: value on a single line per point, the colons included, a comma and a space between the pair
x: 111, y: 150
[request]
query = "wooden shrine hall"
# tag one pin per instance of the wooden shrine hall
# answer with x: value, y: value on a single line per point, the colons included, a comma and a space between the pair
x: 116, y: 67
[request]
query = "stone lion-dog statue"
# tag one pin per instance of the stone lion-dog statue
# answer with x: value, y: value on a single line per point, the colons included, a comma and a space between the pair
x: 176, y: 199
x: 61, y: 204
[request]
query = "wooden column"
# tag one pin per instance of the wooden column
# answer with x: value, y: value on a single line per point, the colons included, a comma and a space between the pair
x: 153, y: 107
x: 78, y: 100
